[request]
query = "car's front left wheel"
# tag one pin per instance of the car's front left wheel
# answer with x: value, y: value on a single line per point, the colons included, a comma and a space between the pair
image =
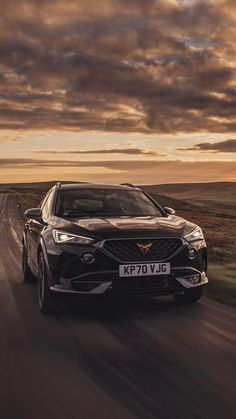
x: 49, y: 303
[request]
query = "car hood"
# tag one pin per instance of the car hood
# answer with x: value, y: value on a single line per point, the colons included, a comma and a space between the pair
x: 172, y: 226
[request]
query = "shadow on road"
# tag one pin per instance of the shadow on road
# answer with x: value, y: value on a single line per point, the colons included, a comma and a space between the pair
x: 110, y: 309
x: 105, y: 309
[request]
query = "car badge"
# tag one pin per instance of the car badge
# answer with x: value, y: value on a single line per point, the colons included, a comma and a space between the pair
x: 144, y: 248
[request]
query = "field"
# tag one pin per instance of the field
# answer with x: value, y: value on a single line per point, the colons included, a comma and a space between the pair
x: 212, y: 206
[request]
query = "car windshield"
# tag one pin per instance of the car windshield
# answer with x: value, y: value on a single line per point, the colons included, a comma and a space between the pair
x: 104, y: 203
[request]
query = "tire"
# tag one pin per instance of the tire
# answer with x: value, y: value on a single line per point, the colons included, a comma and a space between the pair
x: 49, y: 303
x: 190, y: 296
x: 28, y: 277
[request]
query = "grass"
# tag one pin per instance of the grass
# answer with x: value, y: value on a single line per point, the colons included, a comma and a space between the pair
x: 30, y: 199
x: 222, y: 283
x: 224, y: 192
x: 220, y: 234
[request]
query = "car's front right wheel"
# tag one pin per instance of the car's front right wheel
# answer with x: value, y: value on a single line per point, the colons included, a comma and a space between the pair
x: 190, y: 296
x: 49, y: 303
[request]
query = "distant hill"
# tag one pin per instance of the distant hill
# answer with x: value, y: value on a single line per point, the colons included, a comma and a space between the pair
x: 215, y: 198
x: 212, y: 191
x: 218, y: 197
x: 31, y: 186
x: 218, y: 191
x: 177, y: 204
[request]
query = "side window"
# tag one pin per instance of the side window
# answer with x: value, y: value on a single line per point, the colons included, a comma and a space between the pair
x: 46, y: 206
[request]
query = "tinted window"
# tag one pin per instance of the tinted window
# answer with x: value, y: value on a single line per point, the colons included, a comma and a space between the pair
x: 104, y: 202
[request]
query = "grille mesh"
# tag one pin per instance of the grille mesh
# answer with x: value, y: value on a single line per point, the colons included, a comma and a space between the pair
x: 128, y: 250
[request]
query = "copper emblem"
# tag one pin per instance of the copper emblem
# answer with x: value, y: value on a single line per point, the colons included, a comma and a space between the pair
x: 144, y: 248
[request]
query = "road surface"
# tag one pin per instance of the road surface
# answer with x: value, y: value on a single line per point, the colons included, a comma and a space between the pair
x: 132, y: 359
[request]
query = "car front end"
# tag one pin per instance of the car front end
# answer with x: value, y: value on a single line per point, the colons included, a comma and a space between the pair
x: 130, y: 263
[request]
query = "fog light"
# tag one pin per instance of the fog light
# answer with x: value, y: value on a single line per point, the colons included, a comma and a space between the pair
x: 196, y: 279
x: 192, y: 254
x: 87, y: 258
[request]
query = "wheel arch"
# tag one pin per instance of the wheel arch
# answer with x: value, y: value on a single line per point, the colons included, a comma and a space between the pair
x: 42, y: 249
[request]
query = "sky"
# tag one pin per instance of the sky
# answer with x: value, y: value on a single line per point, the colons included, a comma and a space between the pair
x: 140, y: 91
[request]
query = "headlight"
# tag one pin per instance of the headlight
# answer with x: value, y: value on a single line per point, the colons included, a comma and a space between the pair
x: 195, y: 234
x: 61, y: 237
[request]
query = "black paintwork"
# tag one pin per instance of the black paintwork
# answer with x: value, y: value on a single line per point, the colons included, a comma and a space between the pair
x: 63, y: 261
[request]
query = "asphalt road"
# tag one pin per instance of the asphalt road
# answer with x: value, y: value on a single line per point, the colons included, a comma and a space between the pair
x: 131, y: 359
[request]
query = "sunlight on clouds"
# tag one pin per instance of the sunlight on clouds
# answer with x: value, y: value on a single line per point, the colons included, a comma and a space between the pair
x: 139, y: 172
x: 89, y: 76
x: 13, y: 138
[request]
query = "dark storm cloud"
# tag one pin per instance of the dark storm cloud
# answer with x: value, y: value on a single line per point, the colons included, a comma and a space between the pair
x: 118, y: 65
x: 227, y: 146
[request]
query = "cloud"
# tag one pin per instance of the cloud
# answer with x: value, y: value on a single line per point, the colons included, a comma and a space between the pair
x: 154, y: 66
x: 137, y: 171
x: 227, y: 146
x: 13, y: 138
x: 129, y: 151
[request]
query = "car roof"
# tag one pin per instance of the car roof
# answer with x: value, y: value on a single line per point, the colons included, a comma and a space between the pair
x: 72, y: 186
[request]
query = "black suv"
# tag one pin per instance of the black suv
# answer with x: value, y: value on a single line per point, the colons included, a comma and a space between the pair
x: 95, y: 239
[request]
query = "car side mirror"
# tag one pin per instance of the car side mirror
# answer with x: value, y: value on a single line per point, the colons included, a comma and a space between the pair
x: 169, y: 211
x: 34, y: 214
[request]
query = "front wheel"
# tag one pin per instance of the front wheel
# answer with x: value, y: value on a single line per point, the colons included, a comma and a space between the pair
x: 48, y: 301
x: 190, y: 296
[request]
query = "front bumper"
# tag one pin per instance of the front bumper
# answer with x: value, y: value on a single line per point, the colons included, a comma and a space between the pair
x: 162, y: 285
x: 70, y: 276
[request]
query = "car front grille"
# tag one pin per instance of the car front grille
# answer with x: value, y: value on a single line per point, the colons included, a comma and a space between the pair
x: 130, y: 250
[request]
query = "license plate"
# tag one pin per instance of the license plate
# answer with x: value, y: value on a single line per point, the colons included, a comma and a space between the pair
x: 144, y: 269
